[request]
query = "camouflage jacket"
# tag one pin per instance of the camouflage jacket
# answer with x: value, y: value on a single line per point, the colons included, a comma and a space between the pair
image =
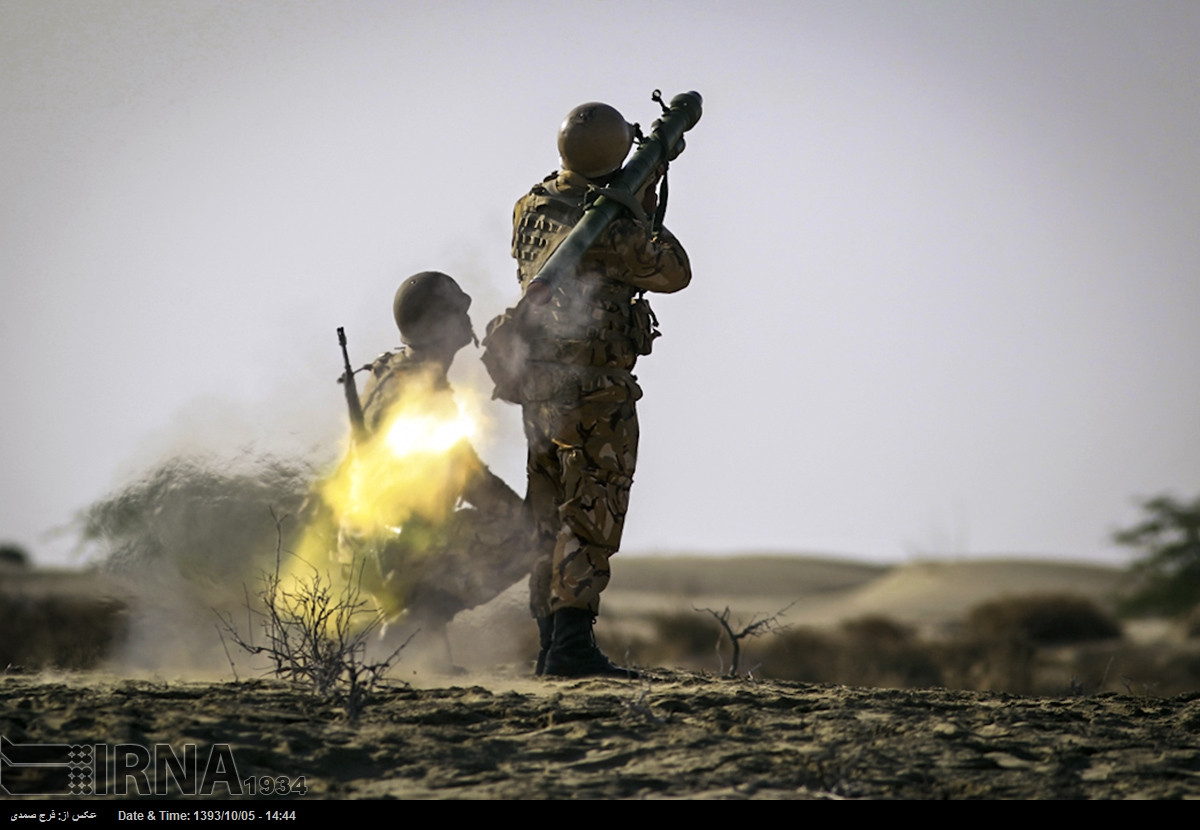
x: 597, y: 323
x: 627, y: 253
x: 401, y: 383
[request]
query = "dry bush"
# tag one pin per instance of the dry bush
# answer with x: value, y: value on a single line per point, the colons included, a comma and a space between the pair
x: 996, y: 664
x: 1160, y: 669
x: 683, y: 636
x: 13, y: 557
x: 315, y: 633
x: 1041, y: 620
x: 1191, y: 624
x: 868, y: 651
x: 805, y: 654
x: 1016, y: 645
x: 878, y: 651
x: 59, y: 631
x: 878, y: 632
x: 700, y: 640
x: 872, y: 650
x: 733, y: 633
x: 1052, y: 645
x: 681, y: 639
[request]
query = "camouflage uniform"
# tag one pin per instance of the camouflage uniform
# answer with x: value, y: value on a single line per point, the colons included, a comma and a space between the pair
x: 446, y: 557
x: 576, y: 388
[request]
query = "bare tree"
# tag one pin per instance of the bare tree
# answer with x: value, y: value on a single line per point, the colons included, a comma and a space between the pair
x: 755, y: 628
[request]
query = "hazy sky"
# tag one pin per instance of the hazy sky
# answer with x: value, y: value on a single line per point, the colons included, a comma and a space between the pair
x: 946, y: 255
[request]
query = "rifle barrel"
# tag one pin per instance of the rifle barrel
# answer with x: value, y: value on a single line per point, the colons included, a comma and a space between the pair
x: 358, y: 422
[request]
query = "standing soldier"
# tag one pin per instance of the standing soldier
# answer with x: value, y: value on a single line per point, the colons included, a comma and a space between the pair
x: 566, y: 355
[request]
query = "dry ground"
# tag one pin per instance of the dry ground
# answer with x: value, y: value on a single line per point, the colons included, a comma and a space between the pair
x: 497, y: 733
x: 681, y: 735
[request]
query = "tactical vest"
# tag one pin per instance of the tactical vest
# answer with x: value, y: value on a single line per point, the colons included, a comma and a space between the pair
x: 595, y: 319
x: 543, y: 220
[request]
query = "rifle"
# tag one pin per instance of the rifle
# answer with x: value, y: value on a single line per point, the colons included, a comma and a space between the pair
x: 664, y: 145
x: 358, y: 423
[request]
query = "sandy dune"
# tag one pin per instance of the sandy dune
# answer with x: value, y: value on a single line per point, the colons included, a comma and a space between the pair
x: 827, y: 591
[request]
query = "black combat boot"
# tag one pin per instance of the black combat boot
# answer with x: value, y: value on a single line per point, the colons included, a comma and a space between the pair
x: 545, y: 637
x: 573, y: 651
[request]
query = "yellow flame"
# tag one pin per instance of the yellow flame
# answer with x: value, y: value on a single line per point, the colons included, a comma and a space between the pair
x: 417, y: 464
x: 409, y: 434
x: 411, y: 471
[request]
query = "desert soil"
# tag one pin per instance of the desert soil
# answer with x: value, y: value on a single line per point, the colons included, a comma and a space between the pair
x: 679, y: 735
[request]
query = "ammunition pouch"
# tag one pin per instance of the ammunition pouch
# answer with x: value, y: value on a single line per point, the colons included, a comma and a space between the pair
x: 506, y: 356
x: 643, y: 328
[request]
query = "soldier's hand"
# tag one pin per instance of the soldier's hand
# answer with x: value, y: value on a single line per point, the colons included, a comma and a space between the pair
x: 649, y: 194
x: 650, y: 200
x: 537, y: 293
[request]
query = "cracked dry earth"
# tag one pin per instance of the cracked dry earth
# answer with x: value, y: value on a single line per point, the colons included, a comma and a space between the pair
x: 682, y: 735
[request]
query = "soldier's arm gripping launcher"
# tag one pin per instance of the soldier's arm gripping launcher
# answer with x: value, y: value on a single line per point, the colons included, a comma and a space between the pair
x: 664, y: 144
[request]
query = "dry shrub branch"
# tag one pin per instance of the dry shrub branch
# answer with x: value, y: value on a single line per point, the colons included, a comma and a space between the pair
x: 755, y: 628
x: 315, y: 633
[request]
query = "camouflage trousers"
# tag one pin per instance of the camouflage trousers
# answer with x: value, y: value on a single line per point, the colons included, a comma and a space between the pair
x: 430, y: 572
x: 581, y: 461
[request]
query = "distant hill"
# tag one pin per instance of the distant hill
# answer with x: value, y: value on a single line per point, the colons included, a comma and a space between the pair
x: 741, y: 575
x: 827, y: 590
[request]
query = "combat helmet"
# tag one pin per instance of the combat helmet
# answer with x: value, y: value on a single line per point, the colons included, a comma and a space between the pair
x: 594, y: 139
x: 431, y: 310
